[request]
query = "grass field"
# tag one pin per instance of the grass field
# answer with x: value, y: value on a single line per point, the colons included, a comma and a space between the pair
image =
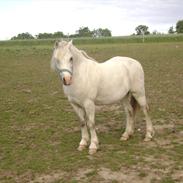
x: 39, y: 132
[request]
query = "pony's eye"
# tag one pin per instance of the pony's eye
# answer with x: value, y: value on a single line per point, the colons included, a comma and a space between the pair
x: 71, y: 59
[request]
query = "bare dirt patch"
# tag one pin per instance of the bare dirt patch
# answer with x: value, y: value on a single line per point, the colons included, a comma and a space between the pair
x: 49, y: 178
x: 126, y: 176
x: 178, y: 175
x: 82, y: 173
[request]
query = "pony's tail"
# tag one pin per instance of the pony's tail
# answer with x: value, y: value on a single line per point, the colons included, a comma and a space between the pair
x: 134, y: 104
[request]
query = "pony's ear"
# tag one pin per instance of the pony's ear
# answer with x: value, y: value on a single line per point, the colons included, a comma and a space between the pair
x: 70, y: 43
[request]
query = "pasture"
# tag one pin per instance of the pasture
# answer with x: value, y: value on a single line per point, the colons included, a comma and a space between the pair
x: 39, y: 132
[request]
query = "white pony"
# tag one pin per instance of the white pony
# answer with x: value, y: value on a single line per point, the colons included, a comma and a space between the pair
x: 87, y: 83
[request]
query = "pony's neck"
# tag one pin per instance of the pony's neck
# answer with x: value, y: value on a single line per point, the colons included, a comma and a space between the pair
x: 81, y: 61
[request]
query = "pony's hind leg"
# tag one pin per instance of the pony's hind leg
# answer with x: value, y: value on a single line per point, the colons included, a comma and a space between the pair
x: 143, y: 105
x: 149, y: 127
x: 130, y: 117
x: 84, y: 131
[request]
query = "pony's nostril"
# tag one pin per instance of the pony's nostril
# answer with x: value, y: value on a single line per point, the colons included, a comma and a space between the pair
x: 64, y: 81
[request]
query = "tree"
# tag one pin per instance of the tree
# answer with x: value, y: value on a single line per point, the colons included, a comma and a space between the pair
x: 179, y: 26
x: 142, y: 29
x: 58, y: 35
x: 102, y: 32
x: 44, y: 35
x: 171, y: 31
x: 25, y: 35
x: 54, y: 35
x: 84, y: 32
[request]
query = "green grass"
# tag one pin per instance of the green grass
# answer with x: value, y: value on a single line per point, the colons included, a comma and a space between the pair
x: 103, y: 40
x: 167, y: 180
x: 39, y: 132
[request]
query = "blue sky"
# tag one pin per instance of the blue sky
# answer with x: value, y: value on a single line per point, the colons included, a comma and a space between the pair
x: 120, y: 16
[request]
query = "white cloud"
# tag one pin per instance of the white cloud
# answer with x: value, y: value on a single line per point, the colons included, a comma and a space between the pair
x: 120, y: 16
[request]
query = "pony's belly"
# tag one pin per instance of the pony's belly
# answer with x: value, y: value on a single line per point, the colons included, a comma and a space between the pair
x: 106, y: 102
x: 110, y: 97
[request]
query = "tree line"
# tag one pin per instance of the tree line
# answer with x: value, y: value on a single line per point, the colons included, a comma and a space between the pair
x: 143, y: 29
x: 86, y: 32
x: 81, y: 32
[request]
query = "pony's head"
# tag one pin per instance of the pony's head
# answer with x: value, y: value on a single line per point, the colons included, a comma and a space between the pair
x: 62, y: 61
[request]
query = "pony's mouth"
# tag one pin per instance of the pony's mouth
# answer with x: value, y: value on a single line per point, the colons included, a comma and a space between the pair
x: 67, y: 84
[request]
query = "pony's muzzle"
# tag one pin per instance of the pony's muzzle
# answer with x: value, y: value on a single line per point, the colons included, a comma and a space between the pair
x: 67, y: 80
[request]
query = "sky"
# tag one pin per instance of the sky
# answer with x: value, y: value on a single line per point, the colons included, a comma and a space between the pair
x: 119, y: 16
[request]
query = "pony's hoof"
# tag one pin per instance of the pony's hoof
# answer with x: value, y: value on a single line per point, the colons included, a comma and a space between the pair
x: 124, y: 138
x: 147, y: 139
x: 149, y: 136
x: 81, y: 147
x: 92, y: 151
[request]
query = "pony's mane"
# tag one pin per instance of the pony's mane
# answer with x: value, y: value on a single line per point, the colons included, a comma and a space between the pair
x: 86, y: 55
x: 61, y: 44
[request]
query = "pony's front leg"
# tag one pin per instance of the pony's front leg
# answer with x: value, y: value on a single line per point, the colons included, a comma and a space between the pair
x: 90, y: 113
x: 84, y: 131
